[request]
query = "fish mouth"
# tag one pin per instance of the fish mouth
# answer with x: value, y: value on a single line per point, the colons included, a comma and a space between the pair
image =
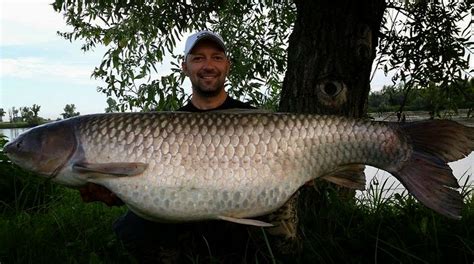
x: 8, y: 148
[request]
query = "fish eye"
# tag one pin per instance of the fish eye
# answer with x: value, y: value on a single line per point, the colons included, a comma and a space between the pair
x: 18, y: 145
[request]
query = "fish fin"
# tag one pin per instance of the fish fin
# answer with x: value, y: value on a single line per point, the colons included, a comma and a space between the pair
x: 426, y: 173
x: 244, y: 221
x: 432, y: 182
x: 445, y: 139
x: 119, y: 169
x: 350, y: 176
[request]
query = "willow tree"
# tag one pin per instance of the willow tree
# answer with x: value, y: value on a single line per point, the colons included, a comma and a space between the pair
x: 312, y: 56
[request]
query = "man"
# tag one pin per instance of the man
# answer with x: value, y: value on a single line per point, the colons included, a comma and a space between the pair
x: 206, y: 65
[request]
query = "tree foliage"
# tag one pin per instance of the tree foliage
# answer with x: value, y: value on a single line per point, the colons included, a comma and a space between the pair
x: 26, y: 113
x: 2, y: 114
x: 424, y: 46
x: 112, y: 106
x: 431, y: 98
x: 13, y: 115
x: 70, y: 111
x: 420, y: 43
x: 35, y: 109
x: 29, y: 115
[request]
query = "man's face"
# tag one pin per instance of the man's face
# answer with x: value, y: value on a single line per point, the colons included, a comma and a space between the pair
x: 207, y: 67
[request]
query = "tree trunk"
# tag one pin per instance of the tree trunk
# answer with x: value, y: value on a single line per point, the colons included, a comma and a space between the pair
x: 330, y: 56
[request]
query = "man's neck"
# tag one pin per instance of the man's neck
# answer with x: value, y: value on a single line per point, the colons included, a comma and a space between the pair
x: 206, y: 103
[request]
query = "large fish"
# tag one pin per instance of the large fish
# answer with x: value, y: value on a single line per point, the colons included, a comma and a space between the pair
x: 176, y: 166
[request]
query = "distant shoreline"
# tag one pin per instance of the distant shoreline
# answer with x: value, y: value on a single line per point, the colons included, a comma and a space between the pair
x: 460, y: 116
x: 4, y: 125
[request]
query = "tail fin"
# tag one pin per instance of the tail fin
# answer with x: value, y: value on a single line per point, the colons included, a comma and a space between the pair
x: 426, y: 174
x: 445, y: 139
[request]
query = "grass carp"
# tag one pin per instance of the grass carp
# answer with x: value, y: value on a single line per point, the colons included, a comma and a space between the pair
x: 175, y: 166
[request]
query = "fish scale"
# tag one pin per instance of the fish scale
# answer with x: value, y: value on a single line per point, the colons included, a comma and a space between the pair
x: 177, y: 166
x: 241, y: 167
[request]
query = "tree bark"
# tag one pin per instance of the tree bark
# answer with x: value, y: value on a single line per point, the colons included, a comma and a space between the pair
x: 330, y: 56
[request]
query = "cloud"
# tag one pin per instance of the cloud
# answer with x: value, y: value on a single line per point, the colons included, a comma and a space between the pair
x: 28, y: 21
x: 37, y: 67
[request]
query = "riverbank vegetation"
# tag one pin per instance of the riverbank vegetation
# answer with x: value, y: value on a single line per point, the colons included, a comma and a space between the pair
x: 41, y: 222
x: 26, y: 116
x: 4, y: 125
x: 433, y: 98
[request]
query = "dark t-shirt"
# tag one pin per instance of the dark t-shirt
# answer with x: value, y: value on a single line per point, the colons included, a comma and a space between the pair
x: 229, y: 103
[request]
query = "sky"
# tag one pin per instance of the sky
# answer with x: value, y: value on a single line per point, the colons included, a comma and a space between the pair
x: 39, y: 67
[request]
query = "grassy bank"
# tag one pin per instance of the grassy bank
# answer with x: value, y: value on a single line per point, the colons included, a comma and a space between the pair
x: 62, y: 231
x: 66, y: 230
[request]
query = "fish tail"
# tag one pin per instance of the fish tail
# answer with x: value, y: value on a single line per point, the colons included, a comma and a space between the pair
x: 426, y: 173
x: 445, y: 139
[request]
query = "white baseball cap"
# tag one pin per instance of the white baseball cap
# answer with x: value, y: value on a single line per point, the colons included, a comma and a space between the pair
x: 201, y: 35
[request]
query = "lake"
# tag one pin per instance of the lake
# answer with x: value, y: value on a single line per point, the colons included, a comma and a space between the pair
x: 461, y: 169
x: 12, y: 133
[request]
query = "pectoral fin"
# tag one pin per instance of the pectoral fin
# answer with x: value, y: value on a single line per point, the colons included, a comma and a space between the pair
x: 349, y: 176
x: 245, y: 221
x: 119, y: 169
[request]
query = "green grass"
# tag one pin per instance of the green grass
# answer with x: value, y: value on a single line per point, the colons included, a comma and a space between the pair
x: 44, y: 223
x: 395, y: 229
x: 62, y: 231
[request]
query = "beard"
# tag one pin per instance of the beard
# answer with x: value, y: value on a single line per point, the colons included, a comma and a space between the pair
x: 209, y: 90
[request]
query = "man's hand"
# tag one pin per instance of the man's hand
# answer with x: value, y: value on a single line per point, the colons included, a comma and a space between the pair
x: 93, y: 192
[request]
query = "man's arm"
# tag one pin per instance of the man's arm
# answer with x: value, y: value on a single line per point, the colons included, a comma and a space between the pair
x: 93, y: 192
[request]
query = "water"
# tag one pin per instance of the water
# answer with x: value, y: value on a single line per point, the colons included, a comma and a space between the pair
x: 12, y: 133
x: 461, y: 169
